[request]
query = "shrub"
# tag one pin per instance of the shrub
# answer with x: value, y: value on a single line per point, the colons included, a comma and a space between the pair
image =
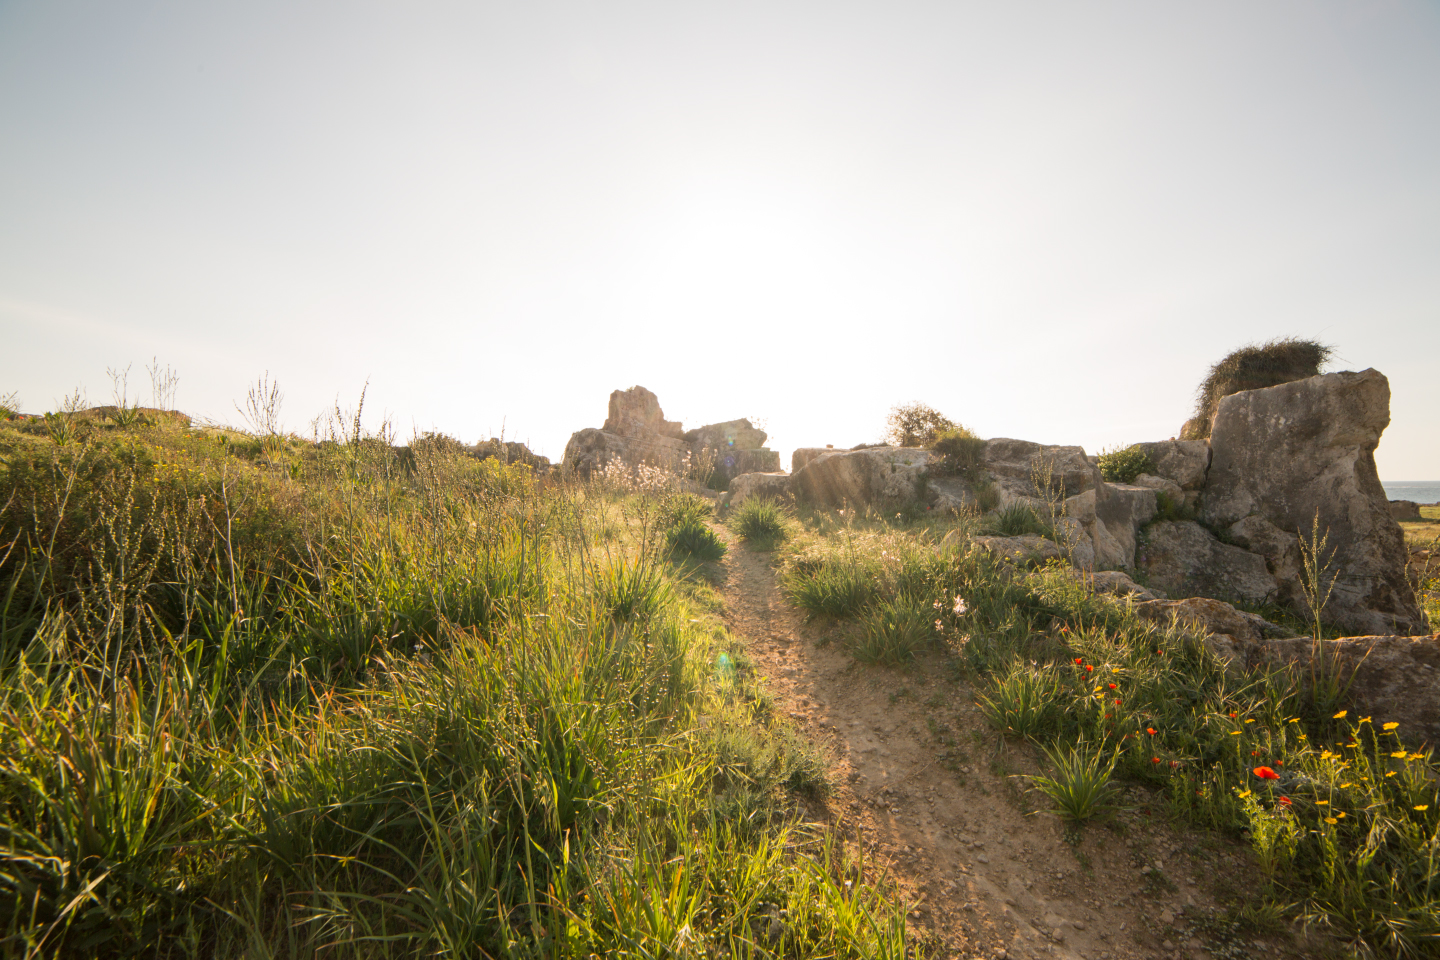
x: 1124, y: 464
x: 9, y: 405
x: 764, y: 524
x: 916, y: 425
x: 1253, y: 367
x: 960, y: 453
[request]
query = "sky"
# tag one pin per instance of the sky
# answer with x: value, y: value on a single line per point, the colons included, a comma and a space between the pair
x: 1046, y: 220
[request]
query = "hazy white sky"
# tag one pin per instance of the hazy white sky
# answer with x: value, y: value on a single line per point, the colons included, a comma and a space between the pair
x: 1047, y: 220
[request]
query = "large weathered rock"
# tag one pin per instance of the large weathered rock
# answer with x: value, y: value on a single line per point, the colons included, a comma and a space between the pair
x: 1301, y: 450
x: 1116, y: 583
x: 1405, y: 511
x: 591, y: 449
x: 1209, y: 618
x: 1014, y: 465
x: 733, y: 463
x: 1186, y: 560
x: 950, y: 493
x: 1183, y: 461
x: 636, y: 413
x: 775, y: 486
x: 730, y: 435
x: 1390, y: 678
x: 877, y: 476
x: 1111, y: 514
x: 804, y: 455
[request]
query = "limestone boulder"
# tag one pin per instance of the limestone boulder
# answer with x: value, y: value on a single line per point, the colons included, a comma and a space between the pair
x: 1186, y: 560
x: 1405, y: 511
x: 1304, y: 450
x: 1116, y: 583
x: 1209, y: 618
x: 589, y: 450
x: 1111, y: 514
x: 1184, y: 462
x: 730, y: 435
x: 733, y: 463
x: 1015, y: 466
x: 873, y: 477
x: 1160, y: 485
x: 1390, y: 678
x: 804, y: 455
x: 636, y: 413
x: 948, y: 494
x: 774, y: 486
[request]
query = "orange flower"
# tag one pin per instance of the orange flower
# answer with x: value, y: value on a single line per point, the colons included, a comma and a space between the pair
x: 1232, y: 715
x: 1154, y: 759
x: 1112, y: 686
x: 1285, y: 801
x: 1150, y: 730
x: 1265, y: 773
x: 1117, y: 703
x: 1088, y: 668
x: 1079, y: 659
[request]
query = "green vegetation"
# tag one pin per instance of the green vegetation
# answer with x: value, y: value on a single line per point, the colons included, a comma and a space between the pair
x: 1016, y: 520
x: 916, y: 425
x: 268, y: 698
x: 1124, y: 464
x: 960, y: 453
x: 1343, y: 812
x: 1253, y: 367
x: 762, y: 523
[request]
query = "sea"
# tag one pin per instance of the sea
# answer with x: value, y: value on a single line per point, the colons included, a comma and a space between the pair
x: 1421, y: 491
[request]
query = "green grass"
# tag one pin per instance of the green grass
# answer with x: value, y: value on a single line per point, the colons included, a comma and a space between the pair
x: 1349, y: 833
x: 762, y: 523
x: 345, y: 700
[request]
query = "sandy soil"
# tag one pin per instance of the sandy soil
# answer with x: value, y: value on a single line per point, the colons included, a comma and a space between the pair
x: 928, y: 787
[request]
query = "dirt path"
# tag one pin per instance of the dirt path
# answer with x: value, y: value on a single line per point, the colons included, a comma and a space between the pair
x: 925, y: 784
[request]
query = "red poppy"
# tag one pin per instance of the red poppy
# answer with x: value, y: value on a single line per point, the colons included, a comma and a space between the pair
x: 1232, y: 715
x: 1088, y: 668
x: 1285, y: 801
x: 1150, y: 730
x: 1112, y: 686
x: 1254, y: 753
x: 1154, y: 759
x: 1079, y: 659
x: 1265, y: 773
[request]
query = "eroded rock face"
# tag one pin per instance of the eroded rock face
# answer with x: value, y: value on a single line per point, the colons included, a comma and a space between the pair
x: 775, y: 486
x: 591, y: 449
x: 730, y: 435
x: 1186, y: 560
x: 804, y: 455
x: 876, y: 476
x: 1182, y: 461
x: 1110, y: 514
x: 636, y: 413
x: 1012, y: 464
x: 1301, y: 450
x: 1023, y: 550
x: 1391, y: 678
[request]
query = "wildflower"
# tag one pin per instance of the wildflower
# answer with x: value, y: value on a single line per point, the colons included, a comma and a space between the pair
x: 1416, y: 756
x: 1254, y: 753
x: 1285, y: 801
x: 1154, y: 759
x: 1390, y: 774
x: 1232, y: 714
x: 1364, y: 719
x: 1331, y: 820
x: 959, y: 608
x: 1079, y: 660
x: 1340, y: 715
x: 1174, y: 764
x: 1295, y: 720
x: 1392, y: 725
x: 1340, y: 815
x: 1150, y: 730
x: 1344, y: 785
x: 1422, y: 807
x: 939, y: 626
x: 1250, y: 720
x: 1234, y: 733
x: 1243, y: 794
x: 1265, y: 773
x: 1112, y: 686
x: 1114, y: 669
x: 1322, y: 803
x: 1088, y: 668
x: 1399, y: 754
x: 1117, y: 703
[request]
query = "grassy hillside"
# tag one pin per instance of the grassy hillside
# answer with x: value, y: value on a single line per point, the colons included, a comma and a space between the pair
x: 261, y: 697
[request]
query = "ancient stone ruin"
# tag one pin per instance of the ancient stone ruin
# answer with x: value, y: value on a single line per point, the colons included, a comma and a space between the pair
x: 636, y: 432
x: 1220, y: 518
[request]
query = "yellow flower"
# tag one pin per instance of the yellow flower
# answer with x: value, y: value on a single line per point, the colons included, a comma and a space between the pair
x: 1114, y: 669
x: 1416, y: 756
x: 1326, y: 754
x: 1341, y: 814
x: 1364, y: 719
x: 1250, y: 720
x: 1294, y: 719
x: 1331, y: 820
x: 1234, y: 733
x: 1422, y: 807
x: 1399, y: 754
x: 1392, y: 725
x: 1340, y: 715
x: 1344, y: 785
x: 1390, y: 774
x: 1322, y: 803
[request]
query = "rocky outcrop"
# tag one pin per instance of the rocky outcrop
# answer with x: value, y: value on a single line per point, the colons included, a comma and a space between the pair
x: 775, y: 486
x: 876, y: 476
x: 1110, y: 514
x: 1186, y: 560
x: 1304, y: 450
x: 509, y: 451
x: 1116, y: 583
x: 1405, y: 511
x: 1016, y: 465
x: 1183, y: 461
x: 590, y: 450
x: 731, y: 435
x: 1209, y: 618
x: 1387, y: 678
x: 636, y: 413
x: 804, y: 455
